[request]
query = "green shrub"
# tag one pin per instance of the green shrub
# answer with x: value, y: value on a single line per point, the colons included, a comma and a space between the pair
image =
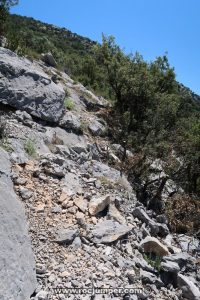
x: 69, y: 104
x: 153, y: 260
x: 30, y: 148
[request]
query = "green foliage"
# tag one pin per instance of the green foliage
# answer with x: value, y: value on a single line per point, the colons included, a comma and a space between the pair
x: 153, y: 260
x: 3, y: 18
x: 153, y: 115
x: 30, y: 148
x: 4, y: 13
x: 138, y: 85
x: 8, y: 3
x: 187, y: 143
x: 69, y: 104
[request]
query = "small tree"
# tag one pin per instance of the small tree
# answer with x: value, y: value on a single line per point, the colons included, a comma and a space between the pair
x: 4, y: 13
x: 116, y: 63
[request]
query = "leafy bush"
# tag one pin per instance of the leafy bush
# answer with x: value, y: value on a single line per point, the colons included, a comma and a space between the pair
x: 153, y: 260
x: 30, y: 148
x: 153, y: 116
x: 5, y: 6
x: 69, y: 104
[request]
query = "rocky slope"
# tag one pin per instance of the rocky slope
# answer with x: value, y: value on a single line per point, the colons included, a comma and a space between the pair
x: 87, y: 228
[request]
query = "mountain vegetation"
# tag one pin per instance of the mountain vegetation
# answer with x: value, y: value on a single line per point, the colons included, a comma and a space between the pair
x: 4, y: 13
x: 151, y: 113
x: 99, y: 169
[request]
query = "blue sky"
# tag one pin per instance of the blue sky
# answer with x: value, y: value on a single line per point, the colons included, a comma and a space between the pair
x: 151, y: 27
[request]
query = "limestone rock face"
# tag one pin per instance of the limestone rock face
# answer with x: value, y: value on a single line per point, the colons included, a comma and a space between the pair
x: 25, y: 86
x: 17, y: 276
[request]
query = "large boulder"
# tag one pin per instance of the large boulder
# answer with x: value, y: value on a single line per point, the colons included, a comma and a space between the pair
x: 98, y: 204
x: 156, y: 228
x: 66, y: 236
x: 107, y: 174
x: 97, y: 128
x: 153, y: 245
x: 149, y: 278
x: 189, y: 289
x: 71, y: 184
x: 25, y: 86
x: 17, y: 276
x: 113, y: 213
x: 182, y: 259
x: 71, y: 122
x: 49, y: 59
x: 108, y: 231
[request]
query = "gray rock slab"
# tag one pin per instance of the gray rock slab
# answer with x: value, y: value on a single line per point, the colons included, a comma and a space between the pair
x: 25, y: 86
x: 99, y: 169
x: 108, y: 231
x: 97, y: 128
x: 156, y: 228
x: 68, y: 139
x: 70, y: 122
x: 170, y: 266
x: 66, y: 235
x: 189, y: 289
x: 49, y: 59
x: 17, y: 276
x: 182, y: 259
x: 71, y: 184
